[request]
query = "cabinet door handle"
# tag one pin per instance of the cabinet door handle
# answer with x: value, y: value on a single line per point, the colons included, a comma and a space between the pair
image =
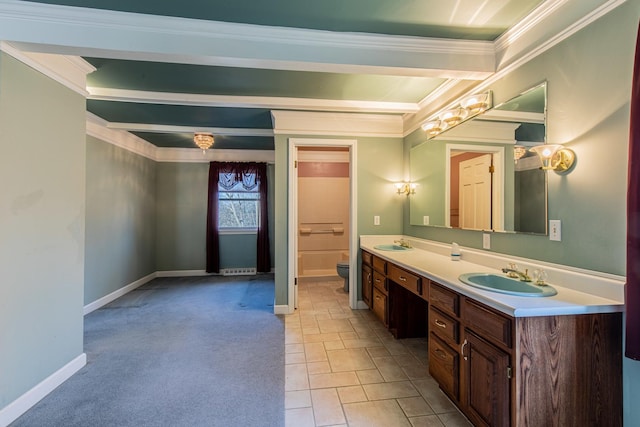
x: 441, y: 354
x: 377, y: 280
x: 464, y: 344
x: 403, y: 279
x: 440, y: 323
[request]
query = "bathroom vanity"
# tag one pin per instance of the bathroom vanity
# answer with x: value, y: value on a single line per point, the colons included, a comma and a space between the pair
x: 503, y: 360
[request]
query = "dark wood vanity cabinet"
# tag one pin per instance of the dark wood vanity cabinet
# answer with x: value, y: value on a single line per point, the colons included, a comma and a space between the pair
x: 367, y: 278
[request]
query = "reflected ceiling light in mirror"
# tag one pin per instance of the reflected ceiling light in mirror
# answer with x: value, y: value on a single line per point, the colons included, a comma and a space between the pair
x: 555, y: 157
x: 518, y: 152
x: 203, y: 140
x: 464, y: 109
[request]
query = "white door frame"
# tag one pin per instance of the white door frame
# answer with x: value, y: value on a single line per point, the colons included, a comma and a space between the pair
x: 292, y: 201
x: 497, y: 210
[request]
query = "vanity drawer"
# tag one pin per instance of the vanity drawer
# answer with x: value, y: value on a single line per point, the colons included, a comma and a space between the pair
x: 489, y: 323
x: 443, y: 325
x: 380, y: 306
x: 367, y: 258
x: 407, y: 280
x: 443, y: 365
x: 380, y: 282
x: 445, y: 299
x: 380, y: 265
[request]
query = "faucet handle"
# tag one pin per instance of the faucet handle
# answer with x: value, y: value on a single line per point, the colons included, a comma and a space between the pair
x: 540, y: 277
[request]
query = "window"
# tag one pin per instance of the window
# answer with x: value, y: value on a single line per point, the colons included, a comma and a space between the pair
x: 239, y: 203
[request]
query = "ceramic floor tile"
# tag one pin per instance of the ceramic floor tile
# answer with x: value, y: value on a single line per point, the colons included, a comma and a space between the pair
x: 407, y: 360
x: 370, y: 376
x: 454, y: 419
x: 290, y: 358
x: 296, y: 377
x: 426, y: 421
x: 362, y: 343
x: 327, y: 409
x: 294, y: 348
x: 337, y: 379
x: 352, y: 394
x: 293, y: 336
x: 384, y: 413
x: 320, y: 337
x: 334, y: 325
x: 415, y: 406
x: 310, y: 331
x: 333, y: 345
x: 416, y: 371
x: 350, y: 359
x: 393, y: 390
x: 297, y: 399
x: 301, y: 417
x: 378, y: 351
x: 318, y: 368
x: 431, y: 392
x: 315, y: 352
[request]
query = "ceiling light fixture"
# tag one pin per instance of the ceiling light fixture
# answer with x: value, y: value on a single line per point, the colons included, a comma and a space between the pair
x: 466, y: 108
x: 203, y: 140
x: 555, y: 157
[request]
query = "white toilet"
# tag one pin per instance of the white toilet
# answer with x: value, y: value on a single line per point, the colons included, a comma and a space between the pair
x: 343, y: 271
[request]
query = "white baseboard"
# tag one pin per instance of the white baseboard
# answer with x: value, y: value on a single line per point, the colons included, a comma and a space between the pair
x: 12, y: 411
x: 281, y: 309
x: 182, y: 273
x: 117, y: 294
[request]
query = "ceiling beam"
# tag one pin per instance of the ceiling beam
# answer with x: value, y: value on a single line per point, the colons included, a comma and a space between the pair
x: 111, y: 34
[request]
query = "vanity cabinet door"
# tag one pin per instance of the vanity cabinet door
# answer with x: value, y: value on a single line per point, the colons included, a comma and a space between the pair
x: 485, y: 382
x: 380, y: 306
x: 367, y: 284
x: 443, y: 365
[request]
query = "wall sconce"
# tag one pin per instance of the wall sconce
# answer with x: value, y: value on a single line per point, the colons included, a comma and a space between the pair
x: 466, y: 108
x: 406, y: 187
x: 555, y: 157
x: 518, y: 152
x: 203, y: 140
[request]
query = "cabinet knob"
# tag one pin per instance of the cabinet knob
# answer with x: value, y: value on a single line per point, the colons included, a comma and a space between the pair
x: 440, y: 323
x: 403, y: 279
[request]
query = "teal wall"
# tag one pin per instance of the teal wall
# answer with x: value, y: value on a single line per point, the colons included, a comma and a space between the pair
x: 120, y: 218
x: 42, y: 203
x: 589, y: 85
x: 181, y: 221
x: 380, y: 165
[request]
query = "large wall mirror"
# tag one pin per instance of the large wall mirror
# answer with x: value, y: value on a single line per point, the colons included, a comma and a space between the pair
x: 480, y: 175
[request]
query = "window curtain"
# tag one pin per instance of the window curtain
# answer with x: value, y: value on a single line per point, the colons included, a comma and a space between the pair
x: 632, y: 289
x: 227, y: 174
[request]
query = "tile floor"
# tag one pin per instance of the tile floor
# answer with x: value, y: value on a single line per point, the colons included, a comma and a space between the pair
x: 343, y: 368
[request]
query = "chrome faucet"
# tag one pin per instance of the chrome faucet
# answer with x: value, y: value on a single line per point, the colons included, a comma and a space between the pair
x: 512, y: 271
x: 403, y: 243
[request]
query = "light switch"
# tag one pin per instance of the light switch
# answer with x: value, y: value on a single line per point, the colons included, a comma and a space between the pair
x: 555, y: 230
x: 376, y: 220
x: 425, y: 220
x: 486, y: 241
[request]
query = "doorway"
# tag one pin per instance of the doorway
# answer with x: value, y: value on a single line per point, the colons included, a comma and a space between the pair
x: 327, y: 232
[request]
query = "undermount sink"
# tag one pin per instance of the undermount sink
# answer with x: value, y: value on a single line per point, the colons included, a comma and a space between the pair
x: 391, y: 247
x: 506, y: 285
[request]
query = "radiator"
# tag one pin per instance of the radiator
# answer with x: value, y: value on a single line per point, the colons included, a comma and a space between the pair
x: 241, y: 271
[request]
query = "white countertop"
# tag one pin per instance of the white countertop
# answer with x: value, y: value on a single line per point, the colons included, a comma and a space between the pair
x: 604, y: 293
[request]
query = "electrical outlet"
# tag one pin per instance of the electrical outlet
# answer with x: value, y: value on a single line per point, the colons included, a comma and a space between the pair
x: 486, y: 241
x: 555, y: 230
x: 425, y: 220
x: 376, y: 220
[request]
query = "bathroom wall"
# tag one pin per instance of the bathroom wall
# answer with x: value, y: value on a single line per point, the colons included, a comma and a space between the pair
x: 42, y: 238
x: 323, y: 211
x: 120, y: 219
x: 589, y: 83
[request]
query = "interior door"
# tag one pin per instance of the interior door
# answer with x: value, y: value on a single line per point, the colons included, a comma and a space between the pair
x: 475, y: 193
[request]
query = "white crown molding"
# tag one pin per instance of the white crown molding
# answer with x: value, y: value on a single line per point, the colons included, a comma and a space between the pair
x: 147, y: 127
x: 94, y: 32
x: 336, y: 124
x: 286, y: 103
x: 98, y: 128
x: 195, y: 155
x: 70, y: 71
x: 512, y: 116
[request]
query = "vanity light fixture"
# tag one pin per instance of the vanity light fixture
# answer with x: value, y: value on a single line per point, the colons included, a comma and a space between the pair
x: 466, y: 108
x: 203, y: 140
x: 406, y: 188
x: 555, y: 157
